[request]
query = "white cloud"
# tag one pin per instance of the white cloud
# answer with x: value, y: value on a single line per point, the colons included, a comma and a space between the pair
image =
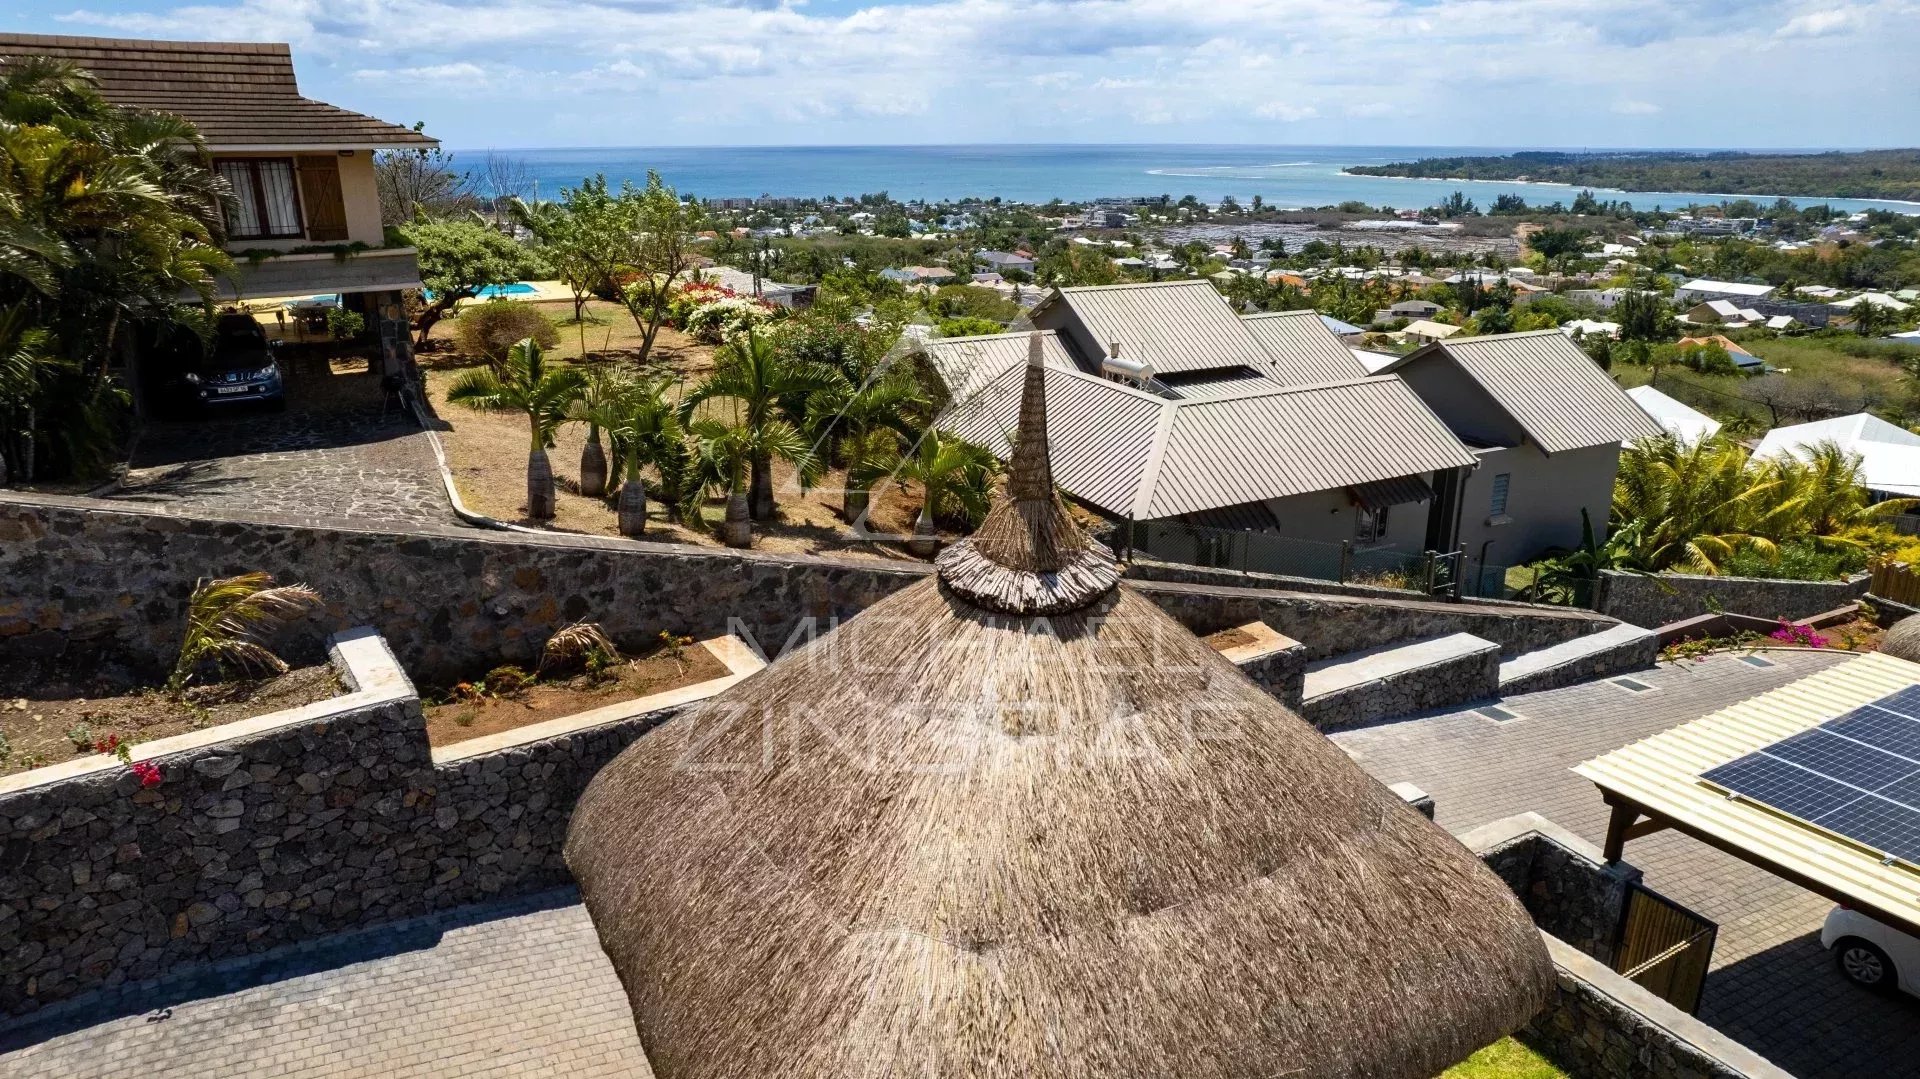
x: 1466, y: 72
x: 1286, y: 112
x: 1819, y: 24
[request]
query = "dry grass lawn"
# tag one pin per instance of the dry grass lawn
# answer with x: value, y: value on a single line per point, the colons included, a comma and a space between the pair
x: 488, y: 453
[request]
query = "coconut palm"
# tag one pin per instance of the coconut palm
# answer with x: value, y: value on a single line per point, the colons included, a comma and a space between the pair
x: 766, y: 386
x: 955, y: 478
x: 225, y: 618
x: 1827, y: 502
x: 525, y: 384
x: 1870, y: 318
x: 645, y: 430
x: 1694, y: 504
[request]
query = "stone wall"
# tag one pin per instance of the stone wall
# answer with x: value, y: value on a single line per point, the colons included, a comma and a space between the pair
x: 1670, y: 597
x: 273, y: 830
x: 1565, y: 882
x: 90, y: 579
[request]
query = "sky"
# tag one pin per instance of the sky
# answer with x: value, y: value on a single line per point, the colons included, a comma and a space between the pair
x: 1548, y: 73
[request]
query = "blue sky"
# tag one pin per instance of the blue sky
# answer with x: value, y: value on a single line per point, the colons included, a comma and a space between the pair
x: 523, y: 73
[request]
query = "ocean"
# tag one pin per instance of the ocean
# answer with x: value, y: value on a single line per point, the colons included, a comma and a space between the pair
x: 1283, y: 176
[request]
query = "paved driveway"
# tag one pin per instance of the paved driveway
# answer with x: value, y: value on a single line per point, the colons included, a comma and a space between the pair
x: 522, y: 988
x: 338, y: 452
x: 1772, y: 987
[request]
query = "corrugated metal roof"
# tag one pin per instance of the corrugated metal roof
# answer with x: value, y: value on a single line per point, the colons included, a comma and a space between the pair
x: 1173, y: 325
x: 238, y: 94
x: 1380, y: 494
x: 1144, y: 457
x: 1559, y: 397
x: 965, y: 364
x: 1661, y: 775
x: 1216, y: 385
x: 1304, y: 349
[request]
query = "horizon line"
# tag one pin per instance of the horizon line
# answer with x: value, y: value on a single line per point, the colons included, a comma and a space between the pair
x: 1489, y: 150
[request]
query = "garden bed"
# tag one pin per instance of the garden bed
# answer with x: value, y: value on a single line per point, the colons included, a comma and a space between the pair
x: 491, y: 705
x: 50, y: 722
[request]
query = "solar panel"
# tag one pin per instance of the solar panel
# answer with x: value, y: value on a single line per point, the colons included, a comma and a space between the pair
x: 1857, y: 775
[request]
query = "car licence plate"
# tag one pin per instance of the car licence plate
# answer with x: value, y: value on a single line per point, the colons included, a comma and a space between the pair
x: 230, y: 389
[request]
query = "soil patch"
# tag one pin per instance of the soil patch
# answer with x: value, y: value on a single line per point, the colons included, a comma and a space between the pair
x: 459, y: 716
x: 1228, y: 638
x: 49, y: 722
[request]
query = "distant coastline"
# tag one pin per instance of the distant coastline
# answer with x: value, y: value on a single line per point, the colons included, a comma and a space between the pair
x: 1282, y: 176
x: 1886, y: 175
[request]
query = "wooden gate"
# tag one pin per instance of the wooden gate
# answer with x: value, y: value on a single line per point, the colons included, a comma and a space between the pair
x: 1664, y: 948
x: 1897, y: 582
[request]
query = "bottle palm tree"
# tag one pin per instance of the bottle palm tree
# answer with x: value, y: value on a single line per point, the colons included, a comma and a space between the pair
x: 956, y: 484
x: 525, y: 384
x: 645, y: 429
x: 725, y: 453
x: 597, y: 406
x: 767, y: 387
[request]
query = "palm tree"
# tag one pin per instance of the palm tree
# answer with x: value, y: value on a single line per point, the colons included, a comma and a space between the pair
x: 597, y: 406
x: 766, y: 386
x: 1823, y: 499
x: 1694, y: 504
x: 526, y: 385
x: 725, y: 453
x: 955, y: 478
x: 225, y: 618
x: 1869, y: 318
x: 645, y: 429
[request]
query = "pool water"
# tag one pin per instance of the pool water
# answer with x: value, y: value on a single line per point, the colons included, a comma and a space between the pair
x: 494, y: 292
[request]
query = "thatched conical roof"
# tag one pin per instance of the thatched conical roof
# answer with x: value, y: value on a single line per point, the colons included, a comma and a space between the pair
x: 953, y: 838
x: 1903, y: 640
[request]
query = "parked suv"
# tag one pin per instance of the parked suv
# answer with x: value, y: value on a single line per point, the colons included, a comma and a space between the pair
x: 235, y: 367
x: 1870, y: 954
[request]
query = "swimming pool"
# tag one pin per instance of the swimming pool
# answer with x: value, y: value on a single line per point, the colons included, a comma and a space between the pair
x: 495, y: 292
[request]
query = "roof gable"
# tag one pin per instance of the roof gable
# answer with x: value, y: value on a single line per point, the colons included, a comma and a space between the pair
x: 1558, y: 396
x: 241, y: 95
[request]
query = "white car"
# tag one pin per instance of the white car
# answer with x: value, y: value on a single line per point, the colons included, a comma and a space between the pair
x: 1870, y: 954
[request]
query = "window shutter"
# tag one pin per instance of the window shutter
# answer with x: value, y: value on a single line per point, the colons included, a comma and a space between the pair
x: 320, y: 193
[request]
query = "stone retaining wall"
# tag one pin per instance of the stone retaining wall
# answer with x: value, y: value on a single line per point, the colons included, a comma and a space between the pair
x: 1565, y: 882
x: 90, y: 579
x: 1670, y: 597
x: 273, y: 830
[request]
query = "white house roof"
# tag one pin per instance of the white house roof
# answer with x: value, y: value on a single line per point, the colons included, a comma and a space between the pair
x: 1588, y: 327
x: 1560, y: 398
x: 1681, y: 422
x: 1143, y: 457
x: 1729, y: 288
x: 1889, y: 455
x: 1374, y: 362
x: 1425, y: 328
x: 1877, y: 299
x: 1782, y: 322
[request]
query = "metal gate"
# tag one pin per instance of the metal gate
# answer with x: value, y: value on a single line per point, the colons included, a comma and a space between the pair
x: 1664, y: 948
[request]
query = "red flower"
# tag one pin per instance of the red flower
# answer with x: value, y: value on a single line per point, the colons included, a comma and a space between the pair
x: 148, y: 772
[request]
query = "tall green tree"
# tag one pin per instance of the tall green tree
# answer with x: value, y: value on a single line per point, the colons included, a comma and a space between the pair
x: 636, y: 243
x: 458, y: 258
x: 527, y: 385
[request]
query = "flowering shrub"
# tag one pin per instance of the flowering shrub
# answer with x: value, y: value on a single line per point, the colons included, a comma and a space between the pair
x: 1788, y: 633
x: 711, y: 314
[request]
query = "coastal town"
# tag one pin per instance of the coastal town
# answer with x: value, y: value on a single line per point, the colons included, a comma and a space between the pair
x: 455, y: 624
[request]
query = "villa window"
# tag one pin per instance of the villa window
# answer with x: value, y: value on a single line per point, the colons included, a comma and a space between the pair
x: 1370, y: 526
x: 1498, y: 506
x: 266, y: 201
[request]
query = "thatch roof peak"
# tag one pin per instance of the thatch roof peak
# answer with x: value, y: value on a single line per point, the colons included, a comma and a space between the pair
x: 1029, y: 556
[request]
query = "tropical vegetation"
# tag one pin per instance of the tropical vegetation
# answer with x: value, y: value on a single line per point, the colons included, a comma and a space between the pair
x: 524, y: 383
x: 226, y: 619
x: 110, y: 228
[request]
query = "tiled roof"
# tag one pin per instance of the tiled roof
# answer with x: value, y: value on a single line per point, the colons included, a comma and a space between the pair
x: 240, y: 95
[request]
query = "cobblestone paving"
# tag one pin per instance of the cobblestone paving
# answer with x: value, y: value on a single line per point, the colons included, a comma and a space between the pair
x: 1772, y: 987
x: 522, y: 988
x: 514, y: 989
x: 335, y: 454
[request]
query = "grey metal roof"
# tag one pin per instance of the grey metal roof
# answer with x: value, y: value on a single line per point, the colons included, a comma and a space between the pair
x: 965, y: 364
x: 1304, y: 349
x: 1215, y: 385
x: 1558, y: 396
x: 1135, y: 455
x: 1382, y: 494
x: 1173, y: 325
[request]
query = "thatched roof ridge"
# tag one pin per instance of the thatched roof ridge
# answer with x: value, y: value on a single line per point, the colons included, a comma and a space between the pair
x: 1029, y: 556
x: 946, y: 840
x: 1903, y: 640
